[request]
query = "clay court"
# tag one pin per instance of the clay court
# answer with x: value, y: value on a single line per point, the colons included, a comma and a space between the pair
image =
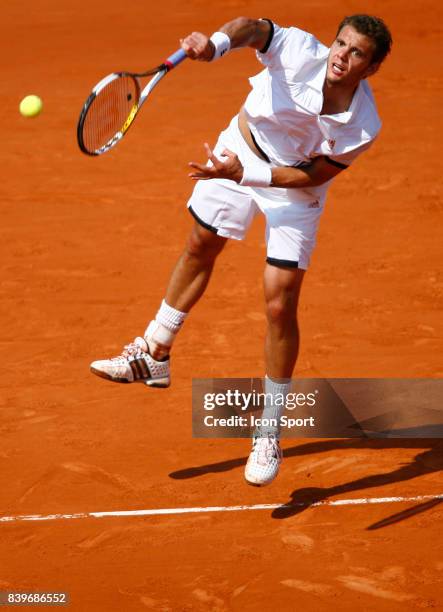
x: 87, y: 246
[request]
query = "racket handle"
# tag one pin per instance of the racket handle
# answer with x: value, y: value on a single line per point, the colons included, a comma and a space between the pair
x: 175, y: 59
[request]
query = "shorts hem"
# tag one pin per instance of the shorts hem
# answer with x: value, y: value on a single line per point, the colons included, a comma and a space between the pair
x: 223, y: 233
x: 281, y: 263
x: 211, y: 228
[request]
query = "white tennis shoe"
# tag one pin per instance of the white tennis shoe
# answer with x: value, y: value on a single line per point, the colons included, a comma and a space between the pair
x: 264, y: 461
x: 135, y: 364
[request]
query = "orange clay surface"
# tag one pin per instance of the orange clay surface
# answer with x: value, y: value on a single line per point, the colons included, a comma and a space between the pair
x: 87, y: 246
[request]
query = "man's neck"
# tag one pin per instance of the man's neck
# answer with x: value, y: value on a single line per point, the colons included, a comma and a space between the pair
x: 336, y: 98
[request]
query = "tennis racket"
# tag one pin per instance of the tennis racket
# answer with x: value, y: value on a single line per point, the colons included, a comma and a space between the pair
x: 113, y: 104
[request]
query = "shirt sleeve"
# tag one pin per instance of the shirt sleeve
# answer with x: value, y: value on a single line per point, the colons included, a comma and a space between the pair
x: 284, y: 49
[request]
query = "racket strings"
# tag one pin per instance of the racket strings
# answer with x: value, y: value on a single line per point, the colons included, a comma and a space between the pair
x: 109, y: 112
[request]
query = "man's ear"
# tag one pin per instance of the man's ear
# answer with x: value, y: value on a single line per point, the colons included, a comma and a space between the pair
x: 371, y: 69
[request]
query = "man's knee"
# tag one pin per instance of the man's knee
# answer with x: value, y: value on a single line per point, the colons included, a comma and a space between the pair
x: 282, y: 290
x: 281, y: 309
x: 203, y: 244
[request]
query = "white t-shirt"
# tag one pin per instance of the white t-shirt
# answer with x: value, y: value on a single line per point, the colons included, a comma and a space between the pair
x: 283, y: 109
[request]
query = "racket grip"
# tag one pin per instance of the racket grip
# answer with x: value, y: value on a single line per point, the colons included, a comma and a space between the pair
x: 175, y: 59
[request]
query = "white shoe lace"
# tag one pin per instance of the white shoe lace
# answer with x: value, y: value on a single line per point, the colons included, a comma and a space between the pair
x: 133, y: 349
x: 267, y: 449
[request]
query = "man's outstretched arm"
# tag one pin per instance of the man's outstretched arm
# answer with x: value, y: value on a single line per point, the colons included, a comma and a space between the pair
x: 242, y: 31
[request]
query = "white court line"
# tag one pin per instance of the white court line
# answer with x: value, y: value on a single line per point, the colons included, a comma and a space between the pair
x: 159, y: 511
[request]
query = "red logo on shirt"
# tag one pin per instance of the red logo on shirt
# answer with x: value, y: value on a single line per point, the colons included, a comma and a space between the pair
x: 331, y: 143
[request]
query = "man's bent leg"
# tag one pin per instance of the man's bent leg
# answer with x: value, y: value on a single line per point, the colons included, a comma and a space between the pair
x: 187, y: 284
x: 193, y: 270
x: 147, y: 359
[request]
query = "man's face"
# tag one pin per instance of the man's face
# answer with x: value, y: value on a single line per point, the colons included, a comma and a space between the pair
x: 350, y: 58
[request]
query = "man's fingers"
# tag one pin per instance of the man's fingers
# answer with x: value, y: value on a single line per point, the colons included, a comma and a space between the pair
x: 190, y: 47
x: 195, y: 45
x: 201, y: 167
x: 211, y: 156
x: 215, y: 168
x: 197, y: 176
x: 228, y: 153
x: 203, y: 171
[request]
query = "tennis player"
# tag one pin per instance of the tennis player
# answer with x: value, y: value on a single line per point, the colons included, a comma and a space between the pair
x: 308, y: 116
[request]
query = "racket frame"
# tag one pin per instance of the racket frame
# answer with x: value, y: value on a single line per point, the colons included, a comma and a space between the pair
x: 158, y: 73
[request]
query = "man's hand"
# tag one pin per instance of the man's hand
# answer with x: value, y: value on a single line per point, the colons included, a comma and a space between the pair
x: 198, y: 46
x: 231, y: 169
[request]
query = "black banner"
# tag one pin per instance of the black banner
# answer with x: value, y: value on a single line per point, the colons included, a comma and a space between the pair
x: 321, y: 408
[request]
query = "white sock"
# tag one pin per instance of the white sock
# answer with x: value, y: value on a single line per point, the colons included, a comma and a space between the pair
x: 160, y: 333
x: 275, y: 400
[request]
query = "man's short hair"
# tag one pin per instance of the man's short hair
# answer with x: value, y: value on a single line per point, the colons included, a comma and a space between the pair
x: 374, y: 28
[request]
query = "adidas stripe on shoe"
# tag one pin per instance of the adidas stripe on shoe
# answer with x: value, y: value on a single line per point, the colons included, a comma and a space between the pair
x: 135, y: 364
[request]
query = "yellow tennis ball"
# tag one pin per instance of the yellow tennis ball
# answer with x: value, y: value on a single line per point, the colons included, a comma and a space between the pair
x: 31, y: 106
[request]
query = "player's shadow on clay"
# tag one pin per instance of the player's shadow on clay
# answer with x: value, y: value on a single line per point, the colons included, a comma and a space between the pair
x: 404, y: 514
x: 426, y: 462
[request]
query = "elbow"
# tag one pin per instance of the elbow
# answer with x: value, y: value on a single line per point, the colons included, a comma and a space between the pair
x: 239, y: 24
x: 316, y: 179
x: 309, y: 180
x: 316, y: 182
x: 241, y: 30
x: 244, y: 21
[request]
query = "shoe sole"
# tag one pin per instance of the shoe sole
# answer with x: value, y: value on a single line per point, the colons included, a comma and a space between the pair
x: 156, y: 384
x: 259, y: 484
x: 253, y: 484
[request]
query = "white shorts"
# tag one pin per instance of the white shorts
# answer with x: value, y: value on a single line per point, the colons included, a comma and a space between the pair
x: 227, y: 208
